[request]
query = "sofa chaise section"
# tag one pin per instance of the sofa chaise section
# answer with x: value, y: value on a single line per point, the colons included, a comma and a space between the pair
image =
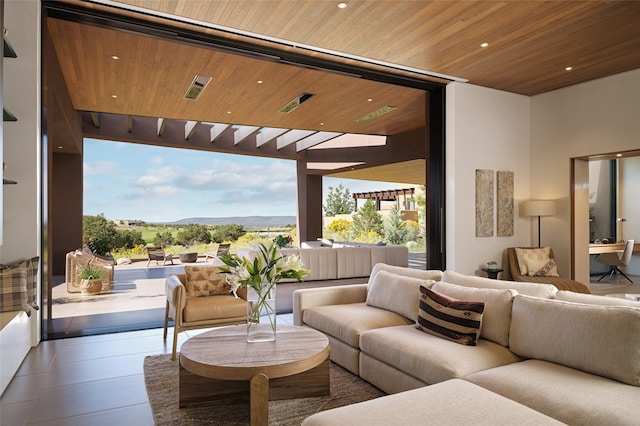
x: 454, y: 402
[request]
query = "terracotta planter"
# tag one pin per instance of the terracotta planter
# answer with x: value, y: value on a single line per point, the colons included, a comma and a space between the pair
x: 88, y: 287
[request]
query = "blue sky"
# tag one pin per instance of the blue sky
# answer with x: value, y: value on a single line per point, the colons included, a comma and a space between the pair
x: 157, y: 184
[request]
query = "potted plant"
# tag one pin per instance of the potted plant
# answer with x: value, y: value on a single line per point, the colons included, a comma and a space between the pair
x: 91, y: 280
x: 492, y: 264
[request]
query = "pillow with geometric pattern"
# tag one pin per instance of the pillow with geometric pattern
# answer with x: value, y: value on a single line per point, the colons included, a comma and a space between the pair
x: 524, y: 255
x: 542, y: 268
x: 449, y: 318
x: 13, y: 290
x: 205, y: 281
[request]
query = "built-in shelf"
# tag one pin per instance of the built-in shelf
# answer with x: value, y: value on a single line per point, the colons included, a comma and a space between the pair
x: 7, y: 116
x: 8, y: 50
x: 8, y: 181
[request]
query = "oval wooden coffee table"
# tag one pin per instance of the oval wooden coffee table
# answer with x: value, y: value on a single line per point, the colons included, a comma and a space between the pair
x: 219, y: 366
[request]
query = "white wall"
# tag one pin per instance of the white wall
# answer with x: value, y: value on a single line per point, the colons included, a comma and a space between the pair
x: 21, y: 210
x: 485, y: 129
x: 597, y: 117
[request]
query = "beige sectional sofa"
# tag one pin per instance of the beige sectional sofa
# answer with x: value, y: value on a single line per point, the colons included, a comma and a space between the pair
x: 556, y: 354
x: 333, y: 266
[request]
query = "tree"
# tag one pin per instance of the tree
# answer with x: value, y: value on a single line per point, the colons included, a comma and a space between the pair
x: 194, y: 234
x: 128, y: 238
x: 163, y: 238
x: 230, y: 232
x: 421, y: 202
x: 395, y: 229
x: 367, y: 219
x: 99, y: 234
x: 338, y: 201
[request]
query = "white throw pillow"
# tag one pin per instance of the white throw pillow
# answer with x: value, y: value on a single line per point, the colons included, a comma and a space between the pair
x: 496, y: 319
x: 396, y: 293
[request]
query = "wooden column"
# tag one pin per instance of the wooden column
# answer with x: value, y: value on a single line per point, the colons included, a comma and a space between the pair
x: 309, y: 203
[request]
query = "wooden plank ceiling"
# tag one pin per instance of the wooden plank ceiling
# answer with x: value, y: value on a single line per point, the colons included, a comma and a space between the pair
x: 530, y: 43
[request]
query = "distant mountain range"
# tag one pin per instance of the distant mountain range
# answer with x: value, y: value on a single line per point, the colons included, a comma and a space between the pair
x: 248, y: 222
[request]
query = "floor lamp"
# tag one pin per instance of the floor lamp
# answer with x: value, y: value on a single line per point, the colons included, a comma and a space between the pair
x: 538, y: 208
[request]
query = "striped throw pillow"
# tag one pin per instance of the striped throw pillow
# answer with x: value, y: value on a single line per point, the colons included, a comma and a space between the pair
x: 449, y: 318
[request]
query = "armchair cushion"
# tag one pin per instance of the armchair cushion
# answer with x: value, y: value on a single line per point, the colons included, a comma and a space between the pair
x: 13, y: 290
x: 205, y: 281
x: 223, y: 307
x: 542, y: 268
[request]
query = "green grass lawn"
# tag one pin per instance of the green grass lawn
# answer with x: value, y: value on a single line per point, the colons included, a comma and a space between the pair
x: 148, y: 234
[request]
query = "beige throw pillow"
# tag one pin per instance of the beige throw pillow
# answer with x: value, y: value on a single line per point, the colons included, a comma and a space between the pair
x: 396, y: 293
x: 524, y: 255
x: 205, y: 281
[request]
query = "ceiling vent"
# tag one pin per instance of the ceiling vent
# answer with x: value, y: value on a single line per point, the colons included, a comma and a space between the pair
x: 296, y: 102
x: 197, y: 86
x: 376, y: 113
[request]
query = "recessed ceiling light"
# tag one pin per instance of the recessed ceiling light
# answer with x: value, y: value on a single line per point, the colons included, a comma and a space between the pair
x: 60, y: 147
x: 259, y: 81
x: 228, y: 112
x: 116, y: 57
x: 197, y: 86
x: 568, y: 68
x: 369, y: 100
x: 322, y: 124
x: 114, y: 96
x: 618, y: 155
x: 342, y: 5
x: 376, y: 113
x: 484, y: 45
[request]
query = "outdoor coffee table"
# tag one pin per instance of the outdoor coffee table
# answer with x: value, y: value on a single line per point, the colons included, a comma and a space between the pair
x: 219, y: 367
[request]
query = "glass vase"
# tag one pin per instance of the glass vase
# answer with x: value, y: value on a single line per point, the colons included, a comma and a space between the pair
x: 261, y: 313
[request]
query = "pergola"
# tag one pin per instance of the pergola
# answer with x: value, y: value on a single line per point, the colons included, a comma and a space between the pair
x: 402, y: 194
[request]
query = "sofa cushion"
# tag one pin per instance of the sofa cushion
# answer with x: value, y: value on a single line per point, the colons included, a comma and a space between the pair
x: 546, y: 291
x: 593, y: 299
x: 449, y: 318
x: 353, y: 262
x: 396, y: 293
x: 496, y: 319
x: 347, y: 321
x: 430, y: 274
x: 205, y: 281
x: 428, y: 358
x: 454, y: 402
x: 322, y: 262
x: 602, y: 340
x: 527, y: 255
x: 566, y: 394
x: 390, y: 255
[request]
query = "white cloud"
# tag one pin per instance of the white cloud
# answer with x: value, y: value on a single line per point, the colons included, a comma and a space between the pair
x: 100, y: 168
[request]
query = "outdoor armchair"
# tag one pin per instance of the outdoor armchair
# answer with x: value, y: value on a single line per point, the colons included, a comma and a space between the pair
x: 190, y: 313
x: 77, y: 260
x: 158, y: 254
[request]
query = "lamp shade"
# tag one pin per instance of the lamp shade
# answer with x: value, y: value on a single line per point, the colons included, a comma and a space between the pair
x: 538, y: 208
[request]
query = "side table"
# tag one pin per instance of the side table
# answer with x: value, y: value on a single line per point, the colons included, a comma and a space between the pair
x: 492, y: 273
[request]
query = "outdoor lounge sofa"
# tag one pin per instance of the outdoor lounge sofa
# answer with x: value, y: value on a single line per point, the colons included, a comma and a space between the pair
x: 333, y: 266
x: 553, y: 354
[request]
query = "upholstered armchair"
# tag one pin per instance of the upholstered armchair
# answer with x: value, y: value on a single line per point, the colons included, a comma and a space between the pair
x: 560, y: 282
x: 190, y: 307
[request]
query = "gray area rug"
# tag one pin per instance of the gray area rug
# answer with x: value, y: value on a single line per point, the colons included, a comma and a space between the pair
x: 161, y: 379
